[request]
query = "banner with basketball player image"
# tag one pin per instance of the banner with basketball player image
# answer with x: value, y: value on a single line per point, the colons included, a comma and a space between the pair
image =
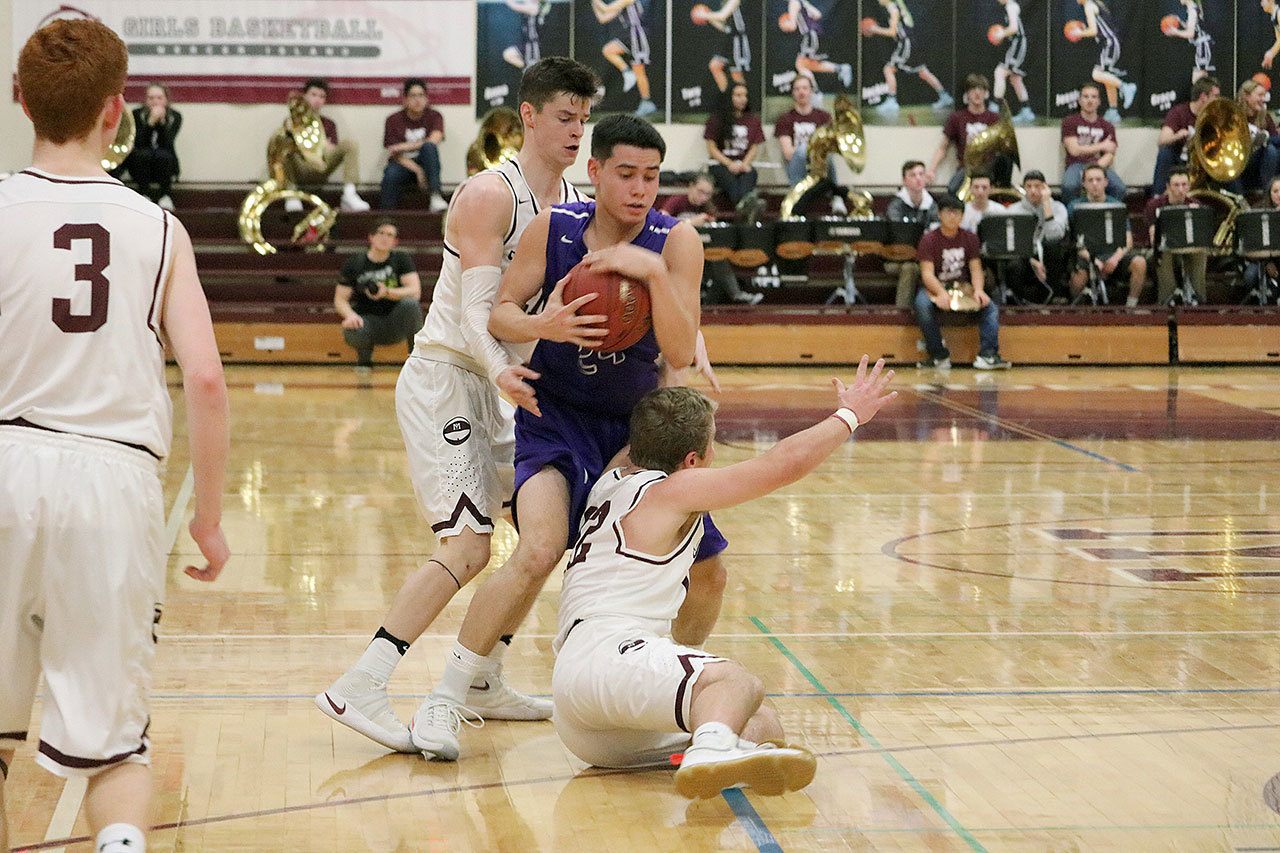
x: 1101, y: 41
x: 1004, y: 41
x: 1258, y: 45
x: 510, y: 36
x: 720, y: 44
x: 1186, y: 40
x: 908, y: 60
x: 807, y: 37
x: 625, y: 41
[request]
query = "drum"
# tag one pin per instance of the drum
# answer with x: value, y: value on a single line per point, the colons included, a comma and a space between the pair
x: 1184, y: 228
x: 1103, y: 227
x: 1258, y: 233
x: 719, y: 239
x: 1007, y: 235
x: 794, y: 238
x: 755, y: 245
x: 866, y: 236
x: 902, y: 240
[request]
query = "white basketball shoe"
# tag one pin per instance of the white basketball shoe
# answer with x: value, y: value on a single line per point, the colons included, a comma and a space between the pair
x: 493, y: 699
x: 436, y: 724
x: 359, y: 702
x: 707, y: 769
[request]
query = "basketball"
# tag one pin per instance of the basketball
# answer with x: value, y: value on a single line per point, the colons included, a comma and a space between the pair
x: 1073, y: 30
x: 867, y: 25
x: 1263, y: 79
x: 1169, y: 23
x: 786, y: 23
x: 995, y: 33
x: 625, y: 302
x: 700, y: 13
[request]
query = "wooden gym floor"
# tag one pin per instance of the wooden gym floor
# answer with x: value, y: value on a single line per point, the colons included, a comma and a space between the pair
x: 1027, y: 611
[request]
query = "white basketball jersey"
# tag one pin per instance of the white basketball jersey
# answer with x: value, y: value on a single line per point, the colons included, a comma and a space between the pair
x: 83, y: 267
x: 604, y: 577
x: 443, y: 326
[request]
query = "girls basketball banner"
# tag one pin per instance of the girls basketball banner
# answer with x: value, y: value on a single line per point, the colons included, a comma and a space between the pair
x: 809, y: 37
x: 510, y: 36
x: 721, y: 43
x: 626, y: 43
x: 908, y: 60
x: 1007, y: 41
x: 255, y: 51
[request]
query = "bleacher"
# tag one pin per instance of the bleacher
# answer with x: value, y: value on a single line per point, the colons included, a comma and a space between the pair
x: 279, y: 308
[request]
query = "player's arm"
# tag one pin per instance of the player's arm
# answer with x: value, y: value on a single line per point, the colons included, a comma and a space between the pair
x: 478, y: 223
x: 1090, y: 22
x: 1269, y: 57
x: 722, y: 14
x: 693, y: 490
x: 1015, y: 21
x: 189, y: 332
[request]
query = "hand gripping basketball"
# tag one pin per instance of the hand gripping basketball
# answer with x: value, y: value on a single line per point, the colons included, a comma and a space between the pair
x: 622, y: 300
x: 1073, y: 31
x: 561, y: 322
x: 867, y: 394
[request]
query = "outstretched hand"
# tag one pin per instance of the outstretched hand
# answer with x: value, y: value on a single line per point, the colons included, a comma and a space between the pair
x: 513, y: 385
x: 866, y: 395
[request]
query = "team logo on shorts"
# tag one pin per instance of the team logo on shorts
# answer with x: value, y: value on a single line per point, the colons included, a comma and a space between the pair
x: 457, y: 431
x: 629, y: 645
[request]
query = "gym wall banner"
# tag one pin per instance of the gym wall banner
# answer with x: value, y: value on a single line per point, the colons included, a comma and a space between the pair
x: 1186, y: 40
x: 908, y: 61
x: 1103, y: 41
x: 511, y: 35
x: 626, y: 42
x: 1257, y: 45
x: 810, y: 38
x: 1009, y: 39
x: 721, y: 43
x: 256, y: 51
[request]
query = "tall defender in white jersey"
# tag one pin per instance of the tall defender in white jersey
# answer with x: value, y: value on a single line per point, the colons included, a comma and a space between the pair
x: 626, y: 694
x: 95, y: 283
x: 458, y: 433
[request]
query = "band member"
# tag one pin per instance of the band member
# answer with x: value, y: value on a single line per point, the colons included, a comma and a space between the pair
x: 1192, y: 29
x: 630, y: 37
x: 899, y: 29
x: 804, y: 18
x: 1098, y: 26
x: 532, y: 14
x: 728, y: 19
x: 1009, y: 70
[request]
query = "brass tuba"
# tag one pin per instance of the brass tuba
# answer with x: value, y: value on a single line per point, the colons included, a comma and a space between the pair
x: 843, y: 136
x: 988, y: 146
x: 1218, y: 152
x: 120, y: 147
x: 498, y: 140
x: 302, y: 134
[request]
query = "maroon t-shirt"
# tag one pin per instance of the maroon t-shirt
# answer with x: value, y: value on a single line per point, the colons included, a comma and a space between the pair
x: 330, y: 130
x: 950, y: 255
x: 678, y: 205
x: 963, y: 125
x: 746, y: 132
x: 400, y: 128
x: 800, y: 127
x: 1152, y: 211
x: 1178, y: 118
x: 1085, y: 132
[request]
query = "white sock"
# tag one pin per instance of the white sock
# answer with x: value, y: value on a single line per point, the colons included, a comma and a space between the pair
x: 349, y: 189
x: 1131, y: 302
x: 121, y: 838
x: 459, y: 671
x: 715, y: 736
x: 380, y: 659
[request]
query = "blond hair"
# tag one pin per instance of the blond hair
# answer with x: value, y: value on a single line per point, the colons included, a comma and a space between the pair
x: 667, y: 425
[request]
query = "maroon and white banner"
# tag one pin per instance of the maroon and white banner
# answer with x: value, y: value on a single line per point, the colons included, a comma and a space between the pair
x: 255, y: 51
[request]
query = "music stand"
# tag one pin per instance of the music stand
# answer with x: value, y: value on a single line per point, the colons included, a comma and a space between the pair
x: 1100, y: 229
x: 1181, y: 230
x: 846, y: 234
x: 1258, y: 239
x: 1006, y: 236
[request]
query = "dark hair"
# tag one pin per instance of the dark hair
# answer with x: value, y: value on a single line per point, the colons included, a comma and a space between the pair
x: 909, y: 165
x: 623, y: 129
x: 1179, y: 170
x: 549, y: 77
x: 316, y: 83
x: 949, y: 202
x: 974, y: 174
x: 724, y: 114
x: 410, y: 82
x: 977, y: 81
x: 1033, y: 175
x: 1203, y: 86
x: 667, y: 425
x: 1091, y: 85
x: 385, y: 220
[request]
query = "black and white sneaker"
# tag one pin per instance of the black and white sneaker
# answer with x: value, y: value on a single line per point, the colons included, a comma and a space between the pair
x: 991, y: 362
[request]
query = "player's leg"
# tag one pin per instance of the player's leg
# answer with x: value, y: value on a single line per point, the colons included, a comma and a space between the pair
x: 717, y: 67
x: 542, y: 506
x: 513, y: 56
x: 932, y: 81
x: 642, y: 80
x: 1019, y: 83
x: 613, y: 52
x: 117, y: 804
x: 891, y: 80
x: 1000, y: 77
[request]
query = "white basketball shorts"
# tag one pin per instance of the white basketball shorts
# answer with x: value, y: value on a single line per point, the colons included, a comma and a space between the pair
x: 622, y: 693
x: 460, y: 438
x: 82, y: 569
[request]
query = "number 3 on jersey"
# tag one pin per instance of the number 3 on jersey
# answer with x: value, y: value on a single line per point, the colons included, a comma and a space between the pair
x: 99, y: 288
x: 592, y: 519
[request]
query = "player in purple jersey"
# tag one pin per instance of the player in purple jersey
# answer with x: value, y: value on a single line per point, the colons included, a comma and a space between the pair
x: 574, y: 413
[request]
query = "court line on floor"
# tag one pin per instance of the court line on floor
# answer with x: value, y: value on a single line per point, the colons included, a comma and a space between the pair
x: 852, y: 635
x: 893, y: 762
x: 482, y: 786
x: 751, y: 821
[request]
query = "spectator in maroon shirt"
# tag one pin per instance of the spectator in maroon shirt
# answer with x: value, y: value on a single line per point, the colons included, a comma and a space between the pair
x: 1089, y: 138
x: 962, y: 126
x: 733, y: 135
x: 345, y: 153
x: 410, y: 137
x: 720, y: 283
x: 1179, y: 125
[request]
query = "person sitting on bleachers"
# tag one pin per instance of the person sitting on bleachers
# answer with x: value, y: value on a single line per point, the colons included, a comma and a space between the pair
x: 153, y: 162
x: 1049, y: 264
x: 1179, y: 125
x: 410, y: 137
x: 1124, y: 262
x: 1089, y: 138
x: 963, y: 125
x: 950, y: 257
x: 793, y: 129
x: 733, y: 135
x: 912, y: 203
x: 1253, y: 270
x: 379, y: 297
x: 1194, y: 264
x: 720, y: 284
x: 345, y: 153
x: 979, y: 203
x: 1264, y: 163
